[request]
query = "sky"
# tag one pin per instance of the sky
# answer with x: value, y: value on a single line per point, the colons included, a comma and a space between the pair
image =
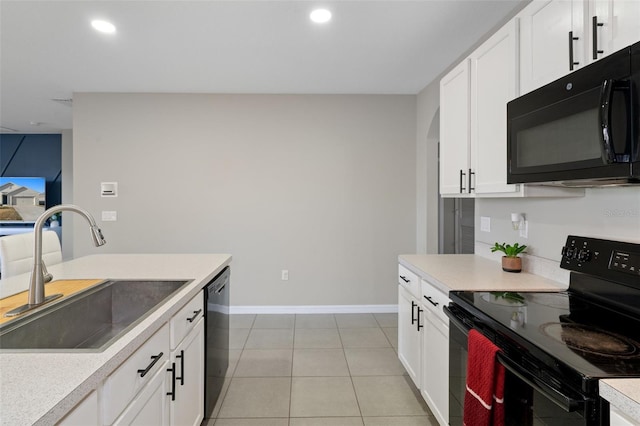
x: 37, y: 184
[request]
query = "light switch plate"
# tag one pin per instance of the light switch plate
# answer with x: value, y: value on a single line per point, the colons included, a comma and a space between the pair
x: 109, y: 216
x: 485, y: 224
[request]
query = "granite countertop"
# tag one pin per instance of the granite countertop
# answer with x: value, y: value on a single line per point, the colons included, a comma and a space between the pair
x: 450, y: 272
x: 41, y: 387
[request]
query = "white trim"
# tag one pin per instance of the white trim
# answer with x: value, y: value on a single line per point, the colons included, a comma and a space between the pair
x: 315, y: 309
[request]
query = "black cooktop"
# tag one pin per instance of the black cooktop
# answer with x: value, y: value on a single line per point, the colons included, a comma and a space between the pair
x: 589, y: 332
x: 594, y: 340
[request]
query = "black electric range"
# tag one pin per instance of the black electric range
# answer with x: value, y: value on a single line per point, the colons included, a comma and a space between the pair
x: 562, y: 343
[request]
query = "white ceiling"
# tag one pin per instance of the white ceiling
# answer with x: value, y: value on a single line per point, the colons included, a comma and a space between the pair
x: 48, y: 49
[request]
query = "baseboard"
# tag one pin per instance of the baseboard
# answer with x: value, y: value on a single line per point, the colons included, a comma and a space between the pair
x: 315, y: 309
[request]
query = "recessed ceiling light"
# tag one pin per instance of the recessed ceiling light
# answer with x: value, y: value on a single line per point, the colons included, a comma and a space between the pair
x: 103, y: 26
x: 320, y: 16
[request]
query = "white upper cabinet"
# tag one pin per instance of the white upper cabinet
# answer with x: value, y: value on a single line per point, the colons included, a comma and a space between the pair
x: 552, y: 41
x: 615, y: 24
x: 493, y: 84
x: 559, y: 36
x: 473, y: 122
x: 454, y: 132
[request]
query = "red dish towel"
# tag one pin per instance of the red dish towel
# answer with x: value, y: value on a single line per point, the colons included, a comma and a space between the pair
x: 484, y: 397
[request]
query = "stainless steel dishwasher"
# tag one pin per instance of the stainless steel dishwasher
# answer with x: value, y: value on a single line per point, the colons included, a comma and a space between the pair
x: 216, y: 301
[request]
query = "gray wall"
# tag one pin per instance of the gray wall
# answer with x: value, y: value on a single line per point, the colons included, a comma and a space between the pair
x: 428, y: 136
x: 610, y: 213
x: 324, y: 186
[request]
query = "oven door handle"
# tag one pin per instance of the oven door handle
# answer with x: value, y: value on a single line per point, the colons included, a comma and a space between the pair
x: 565, y: 402
x: 463, y: 326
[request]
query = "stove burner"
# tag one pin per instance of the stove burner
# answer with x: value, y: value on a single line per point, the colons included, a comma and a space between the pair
x: 592, y: 340
x: 552, y: 300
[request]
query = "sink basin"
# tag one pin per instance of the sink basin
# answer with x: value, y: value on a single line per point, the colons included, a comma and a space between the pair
x: 90, y: 320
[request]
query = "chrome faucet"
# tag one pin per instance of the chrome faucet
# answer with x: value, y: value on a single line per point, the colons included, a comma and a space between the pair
x: 39, y: 273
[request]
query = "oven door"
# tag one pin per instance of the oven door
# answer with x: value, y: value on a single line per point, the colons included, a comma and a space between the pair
x: 527, y: 400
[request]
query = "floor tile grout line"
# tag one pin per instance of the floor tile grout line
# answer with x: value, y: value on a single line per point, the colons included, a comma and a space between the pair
x: 293, y: 349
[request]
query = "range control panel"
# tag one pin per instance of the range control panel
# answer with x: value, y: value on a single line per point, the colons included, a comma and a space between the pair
x: 604, y: 258
x: 625, y: 261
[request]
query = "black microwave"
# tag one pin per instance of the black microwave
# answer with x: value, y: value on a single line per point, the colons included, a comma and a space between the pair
x: 580, y: 130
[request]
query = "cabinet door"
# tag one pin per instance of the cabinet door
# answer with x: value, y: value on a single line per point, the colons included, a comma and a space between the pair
x: 188, y: 406
x: 454, y: 131
x: 619, y: 26
x: 435, y: 372
x: 544, y: 41
x: 151, y: 405
x: 409, y: 336
x: 493, y: 84
x: 85, y: 413
x: 122, y: 386
x: 618, y: 418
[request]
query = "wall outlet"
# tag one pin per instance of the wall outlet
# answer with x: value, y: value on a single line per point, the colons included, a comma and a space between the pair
x: 285, y: 275
x: 485, y: 224
x: 524, y: 229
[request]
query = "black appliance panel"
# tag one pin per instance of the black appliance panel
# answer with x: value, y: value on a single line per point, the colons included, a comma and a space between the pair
x: 216, y: 302
x: 531, y: 396
x: 559, y: 345
x: 555, y: 133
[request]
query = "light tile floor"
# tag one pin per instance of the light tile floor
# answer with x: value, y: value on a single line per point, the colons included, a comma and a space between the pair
x: 317, y: 370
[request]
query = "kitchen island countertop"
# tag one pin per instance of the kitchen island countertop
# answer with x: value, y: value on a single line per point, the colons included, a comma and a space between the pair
x: 41, y: 387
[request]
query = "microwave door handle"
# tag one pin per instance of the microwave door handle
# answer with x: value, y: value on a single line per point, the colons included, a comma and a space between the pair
x: 606, y: 143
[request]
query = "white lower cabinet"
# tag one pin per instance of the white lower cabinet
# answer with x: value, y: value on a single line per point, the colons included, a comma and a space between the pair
x: 410, y: 320
x: 122, y: 388
x: 618, y: 418
x: 83, y: 414
x: 435, y: 353
x: 161, y: 383
x: 151, y: 405
x: 188, y: 360
x: 435, y: 371
x: 423, y: 341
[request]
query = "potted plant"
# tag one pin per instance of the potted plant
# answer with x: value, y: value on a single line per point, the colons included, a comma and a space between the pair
x: 510, y: 261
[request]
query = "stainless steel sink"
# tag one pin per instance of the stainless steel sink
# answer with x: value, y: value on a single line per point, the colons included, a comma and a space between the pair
x: 90, y: 320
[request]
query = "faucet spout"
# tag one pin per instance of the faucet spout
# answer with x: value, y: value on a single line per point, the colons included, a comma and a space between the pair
x: 39, y: 274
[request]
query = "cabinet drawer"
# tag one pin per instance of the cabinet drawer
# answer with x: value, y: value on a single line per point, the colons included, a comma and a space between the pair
x: 124, y: 383
x: 186, y: 319
x: 151, y: 405
x: 433, y: 300
x: 409, y: 280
